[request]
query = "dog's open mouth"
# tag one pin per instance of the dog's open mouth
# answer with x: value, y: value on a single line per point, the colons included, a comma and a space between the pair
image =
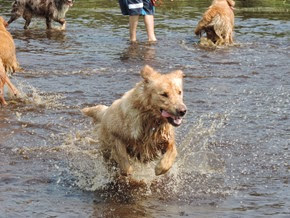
x: 173, y: 120
x: 70, y: 3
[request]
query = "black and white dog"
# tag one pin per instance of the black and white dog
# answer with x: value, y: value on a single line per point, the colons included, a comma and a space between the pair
x: 49, y: 9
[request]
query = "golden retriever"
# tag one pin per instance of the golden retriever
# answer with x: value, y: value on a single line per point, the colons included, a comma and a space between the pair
x: 8, y: 61
x: 139, y: 126
x: 218, y: 22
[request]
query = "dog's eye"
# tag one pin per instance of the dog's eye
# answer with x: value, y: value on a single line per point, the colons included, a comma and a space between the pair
x: 179, y: 92
x: 164, y: 94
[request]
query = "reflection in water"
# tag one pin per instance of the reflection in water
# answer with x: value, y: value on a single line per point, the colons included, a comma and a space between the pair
x: 35, y: 34
x: 139, y: 51
x: 56, y: 35
x: 120, y: 209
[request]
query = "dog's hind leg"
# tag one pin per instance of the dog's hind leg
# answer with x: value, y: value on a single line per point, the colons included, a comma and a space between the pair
x: 227, y: 38
x: 231, y: 41
x: 13, y: 17
x: 220, y: 39
x: 211, y: 35
x: 16, y: 12
x: 167, y: 160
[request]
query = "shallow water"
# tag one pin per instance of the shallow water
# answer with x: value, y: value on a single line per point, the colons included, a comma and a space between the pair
x: 233, y: 146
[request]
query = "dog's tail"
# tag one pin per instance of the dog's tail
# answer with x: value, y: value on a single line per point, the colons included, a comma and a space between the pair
x: 95, y: 112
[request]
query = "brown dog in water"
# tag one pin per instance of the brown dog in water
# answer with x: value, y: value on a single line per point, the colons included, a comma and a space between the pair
x: 8, y: 61
x: 218, y: 22
x: 139, y: 126
x: 49, y: 9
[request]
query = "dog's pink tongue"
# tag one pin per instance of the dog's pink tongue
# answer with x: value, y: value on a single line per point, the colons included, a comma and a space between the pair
x: 166, y: 114
x: 176, y: 120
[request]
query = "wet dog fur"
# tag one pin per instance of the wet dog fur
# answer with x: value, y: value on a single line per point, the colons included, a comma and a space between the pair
x: 48, y: 9
x: 139, y: 126
x: 218, y: 22
x: 8, y: 61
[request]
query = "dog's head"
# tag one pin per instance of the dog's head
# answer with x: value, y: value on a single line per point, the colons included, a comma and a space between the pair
x: 3, y: 22
x: 69, y: 3
x: 165, y: 94
x: 231, y: 3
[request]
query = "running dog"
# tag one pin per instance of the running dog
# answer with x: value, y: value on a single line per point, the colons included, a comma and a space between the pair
x: 49, y: 9
x: 139, y: 126
x: 8, y: 61
x: 218, y: 22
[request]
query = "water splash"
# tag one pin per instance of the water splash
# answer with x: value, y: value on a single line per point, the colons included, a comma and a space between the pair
x: 31, y: 95
x: 85, y: 160
x: 197, y: 171
x: 194, y: 149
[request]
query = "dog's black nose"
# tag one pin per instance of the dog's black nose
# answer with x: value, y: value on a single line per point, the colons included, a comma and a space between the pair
x: 182, y: 111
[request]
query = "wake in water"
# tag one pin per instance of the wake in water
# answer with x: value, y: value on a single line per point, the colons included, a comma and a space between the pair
x: 206, y: 44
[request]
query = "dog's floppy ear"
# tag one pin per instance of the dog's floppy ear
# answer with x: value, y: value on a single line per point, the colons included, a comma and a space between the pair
x: 4, y: 22
x: 148, y: 73
x: 177, y: 73
x: 231, y: 3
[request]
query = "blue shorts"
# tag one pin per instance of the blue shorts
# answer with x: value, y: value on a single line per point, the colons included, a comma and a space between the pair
x: 136, y: 7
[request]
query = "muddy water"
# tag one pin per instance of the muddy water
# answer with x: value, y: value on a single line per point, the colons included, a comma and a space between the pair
x: 233, y: 146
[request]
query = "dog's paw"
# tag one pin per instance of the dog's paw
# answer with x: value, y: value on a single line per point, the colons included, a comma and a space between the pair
x: 127, y: 172
x: 57, y: 28
x: 63, y: 26
x: 159, y: 170
x: 16, y: 93
x: 3, y: 103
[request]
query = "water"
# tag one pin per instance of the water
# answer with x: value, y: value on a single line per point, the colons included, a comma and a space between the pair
x: 233, y: 146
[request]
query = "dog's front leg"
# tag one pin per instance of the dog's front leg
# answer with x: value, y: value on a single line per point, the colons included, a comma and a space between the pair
x: 48, y: 22
x: 167, y: 160
x: 2, y: 100
x: 231, y: 38
x: 121, y: 157
x: 62, y: 23
x: 13, y: 89
x: 2, y: 83
x: 27, y: 17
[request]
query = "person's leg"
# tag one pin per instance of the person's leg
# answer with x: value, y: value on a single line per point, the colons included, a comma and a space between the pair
x: 149, y: 23
x: 133, y: 22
